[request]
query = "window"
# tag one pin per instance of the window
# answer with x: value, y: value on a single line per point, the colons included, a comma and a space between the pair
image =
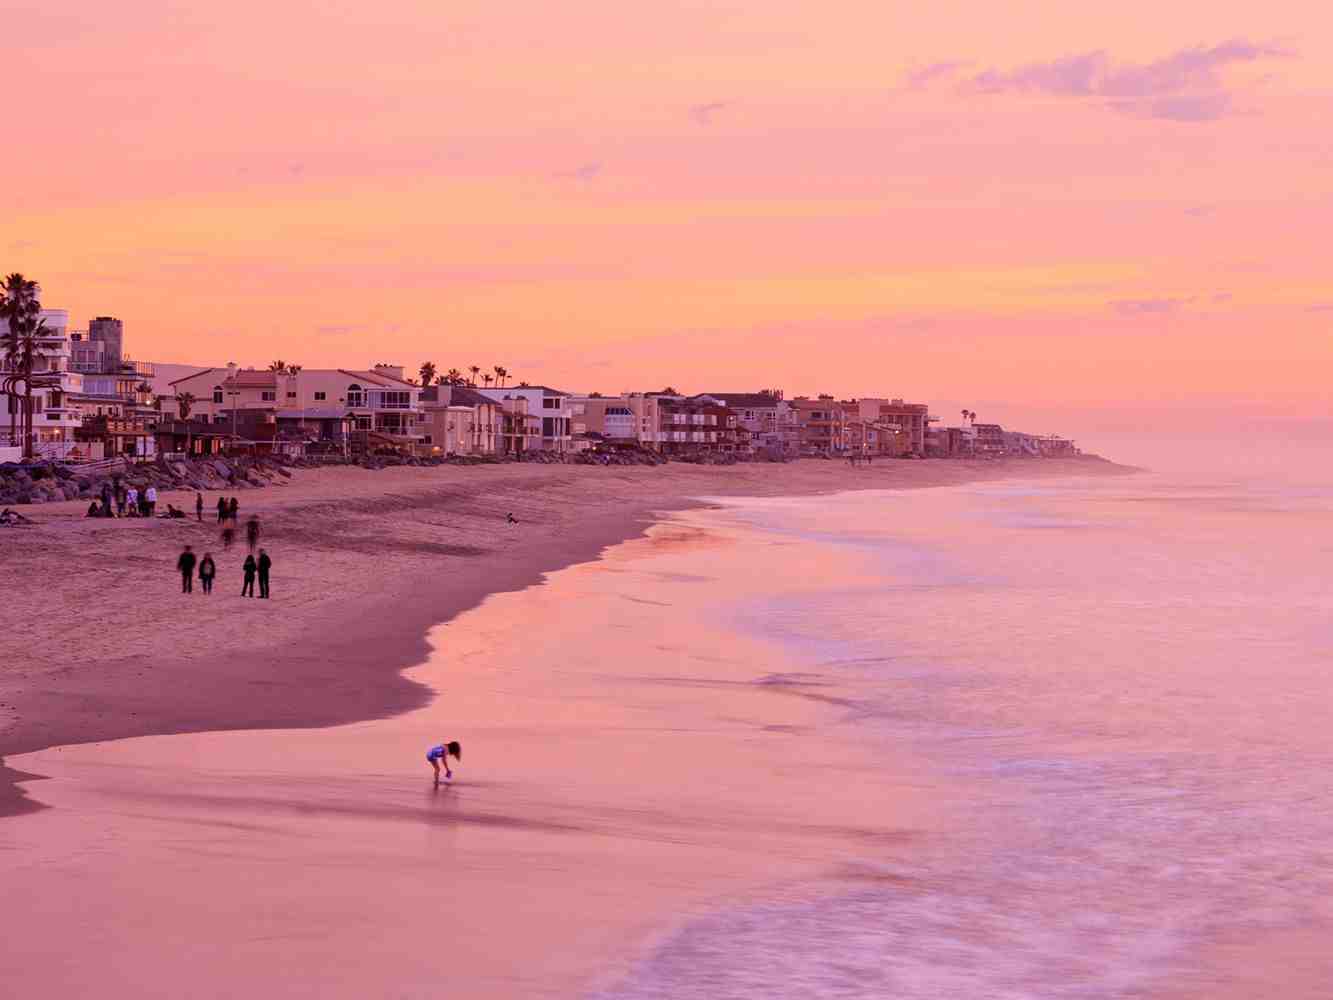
x: 354, y: 395
x: 321, y: 396
x: 551, y: 402
x: 217, y: 393
x: 268, y: 395
x: 291, y: 395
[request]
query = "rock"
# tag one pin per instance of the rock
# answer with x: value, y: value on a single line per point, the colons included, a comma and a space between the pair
x: 221, y: 468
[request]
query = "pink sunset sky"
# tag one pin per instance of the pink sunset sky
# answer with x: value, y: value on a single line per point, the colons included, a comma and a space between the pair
x: 1055, y: 205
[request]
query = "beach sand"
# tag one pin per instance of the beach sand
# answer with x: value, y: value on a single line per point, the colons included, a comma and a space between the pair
x: 104, y: 646
x: 610, y: 784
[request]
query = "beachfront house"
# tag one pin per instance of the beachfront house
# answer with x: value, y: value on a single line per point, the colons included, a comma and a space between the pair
x: 912, y: 418
x: 550, y: 406
x: 632, y: 418
x: 54, y: 418
x: 458, y: 420
x: 767, y: 420
x: 383, y: 407
x: 821, y: 425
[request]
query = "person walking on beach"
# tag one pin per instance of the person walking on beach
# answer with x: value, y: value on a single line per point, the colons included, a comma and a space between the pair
x: 186, y: 565
x: 438, y: 755
x: 252, y: 533
x: 150, y: 497
x: 207, y: 570
x: 199, y: 506
x: 132, y: 501
x: 265, y: 564
x: 222, y: 509
x: 248, y: 589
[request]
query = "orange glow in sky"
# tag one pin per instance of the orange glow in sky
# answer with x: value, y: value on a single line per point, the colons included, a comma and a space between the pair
x: 1064, y: 204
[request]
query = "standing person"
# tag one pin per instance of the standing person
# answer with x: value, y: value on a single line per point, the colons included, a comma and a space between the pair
x: 106, y: 499
x: 207, y: 570
x: 150, y: 496
x: 232, y: 508
x: 199, y: 506
x: 265, y: 564
x: 248, y: 590
x: 440, y: 755
x: 222, y: 509
x: 120, y: 497
x: 132, y: 501
x: 252, y: 532
x: 186, y: 565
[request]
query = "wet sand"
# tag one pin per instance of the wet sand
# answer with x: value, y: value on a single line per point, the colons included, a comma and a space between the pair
x: 364, y: 564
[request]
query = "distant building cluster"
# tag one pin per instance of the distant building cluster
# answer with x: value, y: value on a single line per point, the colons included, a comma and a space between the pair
x: 100, y: 404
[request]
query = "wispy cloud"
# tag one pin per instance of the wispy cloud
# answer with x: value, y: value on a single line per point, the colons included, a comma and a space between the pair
x: 584, y: 172
x: 1320, y: 307
x: 927, y: 75
x: 1147, y: 307
x: 1186, y: 86
x: 703, y: 114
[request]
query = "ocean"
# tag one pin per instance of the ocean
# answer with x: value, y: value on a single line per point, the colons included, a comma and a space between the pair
x: 1122, y: 685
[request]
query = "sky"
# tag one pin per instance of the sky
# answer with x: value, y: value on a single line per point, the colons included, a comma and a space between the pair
x: 1026, y: 207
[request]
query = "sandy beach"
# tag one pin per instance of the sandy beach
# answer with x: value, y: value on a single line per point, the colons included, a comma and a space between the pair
x: 365, y: 562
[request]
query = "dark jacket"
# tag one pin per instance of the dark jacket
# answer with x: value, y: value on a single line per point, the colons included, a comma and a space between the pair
x: 264, y: 563
x: 248, y: 568
x: 186, y: 563
x: 206, y: 569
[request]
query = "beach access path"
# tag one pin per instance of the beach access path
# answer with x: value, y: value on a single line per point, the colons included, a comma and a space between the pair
x: 100, y: 644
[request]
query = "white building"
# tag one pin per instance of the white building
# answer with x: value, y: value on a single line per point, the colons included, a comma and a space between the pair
x: 54, y: 418
x: 551, y: 405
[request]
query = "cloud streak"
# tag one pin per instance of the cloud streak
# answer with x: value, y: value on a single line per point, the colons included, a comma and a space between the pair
x: 703, y: 114
x: 1147, y: 307
x: 1185, y: 86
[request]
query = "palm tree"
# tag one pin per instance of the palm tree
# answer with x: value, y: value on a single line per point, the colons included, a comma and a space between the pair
x: 19, y: 308
x: 475, y: 370
x: 279, y: 367
x: 488, y: 379
x: 501, y: 373
x: 184, y: 401
x: 452, y: 377
x: 427, y: 372
x: 523, y: 385
x: 22, y: 352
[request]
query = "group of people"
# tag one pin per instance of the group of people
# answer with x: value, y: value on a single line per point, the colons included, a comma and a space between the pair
x: 119, y: 500
x: 251, y: 569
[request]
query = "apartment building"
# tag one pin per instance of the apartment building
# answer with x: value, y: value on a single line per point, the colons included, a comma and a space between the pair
x: 458, y: 420
x: 821, y: 425
x: 695, y: 424
x: 912, y: 418
x: 54, y: 417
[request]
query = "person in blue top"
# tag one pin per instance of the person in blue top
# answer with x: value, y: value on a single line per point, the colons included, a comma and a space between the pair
x: 438, y: 755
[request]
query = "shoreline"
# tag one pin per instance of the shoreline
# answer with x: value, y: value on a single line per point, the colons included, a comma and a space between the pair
x: 403, y: 550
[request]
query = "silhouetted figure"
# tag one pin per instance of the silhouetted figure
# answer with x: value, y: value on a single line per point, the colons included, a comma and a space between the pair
x: 222, y: 509
x: 228, y: 536
x: 150, y: 496
x: 511, y: 519
x: 106, y: 496
x: 93, y: 509
x: 265, y: 564
x: 120, y: 498
x: 248, y: 590
x: 186, y: 565
x: 207, y: 570
x: 199, y: 506
x: 252, y: 532
x: 233, y: 508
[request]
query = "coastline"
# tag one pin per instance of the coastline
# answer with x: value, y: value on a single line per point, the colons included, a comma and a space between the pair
x: 110, y: 651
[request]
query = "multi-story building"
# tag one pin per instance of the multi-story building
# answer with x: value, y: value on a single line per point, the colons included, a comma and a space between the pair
x: 100, y: 348
x: 767, y: 420
x: 821, y: 425
x: 631, y: 418
x: 383, y: 406
x: 54, y: 417
x: 458, y: 420
x: 696, y: 424
x: 989, y: 441
x: 549, y: 405
x: 912, y: 418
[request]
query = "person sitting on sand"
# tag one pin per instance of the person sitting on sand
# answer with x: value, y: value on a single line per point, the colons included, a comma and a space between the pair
x: 512, y: 519
x: 94, y: 510
x: 440, y: 755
